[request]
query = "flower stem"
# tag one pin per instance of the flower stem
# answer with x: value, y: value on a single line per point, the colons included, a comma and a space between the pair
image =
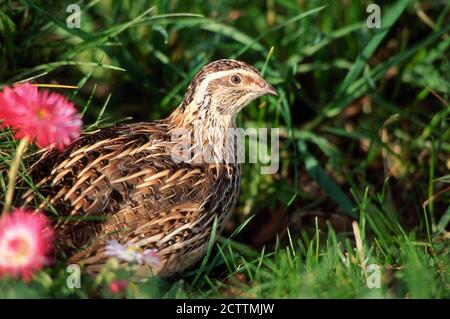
x: 12, y: 174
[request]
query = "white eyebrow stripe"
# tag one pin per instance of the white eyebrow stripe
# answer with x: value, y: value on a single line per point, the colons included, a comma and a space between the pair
x: 201, y: 90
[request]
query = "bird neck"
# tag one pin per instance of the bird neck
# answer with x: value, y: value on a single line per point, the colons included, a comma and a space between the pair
x: 213, y: 139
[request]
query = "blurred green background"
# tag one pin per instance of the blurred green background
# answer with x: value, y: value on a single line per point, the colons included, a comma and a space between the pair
x: 363, y: 111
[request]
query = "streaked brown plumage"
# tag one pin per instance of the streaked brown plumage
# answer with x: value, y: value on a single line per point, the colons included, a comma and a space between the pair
x: 122, y: 183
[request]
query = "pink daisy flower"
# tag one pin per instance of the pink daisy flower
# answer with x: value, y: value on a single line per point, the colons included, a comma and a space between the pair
x: 44, y: 117
x: 25, y: 243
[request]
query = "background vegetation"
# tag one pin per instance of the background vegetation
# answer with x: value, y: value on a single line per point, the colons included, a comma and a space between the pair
x: 364, y: 121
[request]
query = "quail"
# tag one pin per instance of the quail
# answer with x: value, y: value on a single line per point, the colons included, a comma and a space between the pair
x: 134, y: 183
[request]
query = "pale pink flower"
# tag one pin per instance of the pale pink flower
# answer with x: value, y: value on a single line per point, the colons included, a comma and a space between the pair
x: 26, y: 241
x: 127, y: 252
x: 132, y: 253
x: 44, y: 117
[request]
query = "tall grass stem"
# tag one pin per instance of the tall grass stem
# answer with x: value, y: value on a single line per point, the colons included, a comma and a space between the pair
x: 12, y: 174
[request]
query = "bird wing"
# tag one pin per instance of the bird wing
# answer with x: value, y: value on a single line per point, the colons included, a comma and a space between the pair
x: 122, y: 180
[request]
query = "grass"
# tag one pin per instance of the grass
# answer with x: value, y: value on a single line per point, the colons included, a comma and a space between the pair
x: 363, y: 115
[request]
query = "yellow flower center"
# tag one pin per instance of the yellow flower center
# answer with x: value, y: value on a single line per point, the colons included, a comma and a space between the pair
x: 19, y: 250
x: 41, y: 113
x: 132, y: 248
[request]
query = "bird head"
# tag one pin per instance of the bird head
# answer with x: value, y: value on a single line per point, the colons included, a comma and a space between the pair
x: 222, y: 88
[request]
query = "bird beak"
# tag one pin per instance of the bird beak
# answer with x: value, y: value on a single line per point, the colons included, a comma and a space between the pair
x: 269, y: 89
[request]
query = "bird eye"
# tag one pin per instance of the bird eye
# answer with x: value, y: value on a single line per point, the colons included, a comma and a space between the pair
x: 235, y: 79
